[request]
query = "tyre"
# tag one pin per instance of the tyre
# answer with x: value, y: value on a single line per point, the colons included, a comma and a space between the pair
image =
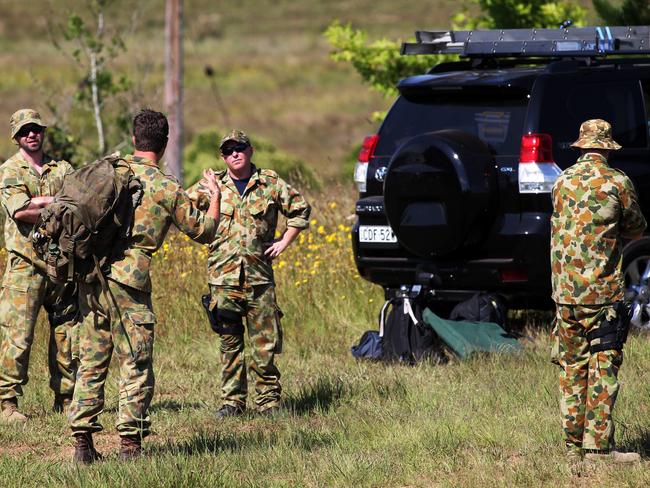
x: 636, y: 271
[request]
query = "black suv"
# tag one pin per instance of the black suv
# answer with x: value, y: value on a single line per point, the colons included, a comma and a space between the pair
x: 455, y: 186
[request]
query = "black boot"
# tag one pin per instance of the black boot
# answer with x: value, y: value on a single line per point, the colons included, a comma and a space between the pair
x: 130, y: 447
x: 229, y: 411
x: 84, y: 449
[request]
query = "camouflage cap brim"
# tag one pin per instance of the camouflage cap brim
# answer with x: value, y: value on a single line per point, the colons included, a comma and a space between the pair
x: 588, y: 143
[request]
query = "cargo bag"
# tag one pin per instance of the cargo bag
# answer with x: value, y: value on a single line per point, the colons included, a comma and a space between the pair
x: 89, y: 222
x: 465, y: 338
x: 88, y: 225
x: 369, y: 346
x: 481, y: 307
x: 404, y: 336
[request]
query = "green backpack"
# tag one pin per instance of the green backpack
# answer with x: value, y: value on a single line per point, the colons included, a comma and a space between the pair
x: 89, y: 223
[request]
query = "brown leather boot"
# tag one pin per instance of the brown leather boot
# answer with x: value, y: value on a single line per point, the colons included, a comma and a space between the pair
x: 9, y: 413
x: 130, y: 447
x: 84, y: 449
x: 61, y: 403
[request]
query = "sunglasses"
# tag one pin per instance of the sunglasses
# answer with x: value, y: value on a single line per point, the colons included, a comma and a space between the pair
x: 24, y: 131
x: 241, y: 147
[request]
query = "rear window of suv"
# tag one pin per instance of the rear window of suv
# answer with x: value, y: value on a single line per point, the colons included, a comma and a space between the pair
x: 618, y: 102
x: 494, y: 115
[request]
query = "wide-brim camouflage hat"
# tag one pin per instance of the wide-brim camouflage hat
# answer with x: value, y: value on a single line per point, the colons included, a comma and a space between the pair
x: 235, y: 135
x: 596, y: 134
x: 22, y: 117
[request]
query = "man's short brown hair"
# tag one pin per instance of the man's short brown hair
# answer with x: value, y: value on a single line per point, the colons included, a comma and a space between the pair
x: 150, y: 129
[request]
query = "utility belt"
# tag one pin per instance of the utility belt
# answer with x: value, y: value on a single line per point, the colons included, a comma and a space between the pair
x: 223, y: 322
x: 612, y: 333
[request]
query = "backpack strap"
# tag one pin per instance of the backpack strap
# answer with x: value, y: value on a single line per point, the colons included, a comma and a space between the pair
x: 408, y: 310
x: 108, y: 293
x: 382, y: 317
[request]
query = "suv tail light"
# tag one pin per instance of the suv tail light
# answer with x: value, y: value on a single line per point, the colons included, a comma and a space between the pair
x: 536, y: 148
x: 537, y: 168
x: 361, y: 168
x: 513, y: 275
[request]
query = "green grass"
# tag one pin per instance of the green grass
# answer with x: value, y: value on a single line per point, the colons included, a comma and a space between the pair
x: 490, y: 421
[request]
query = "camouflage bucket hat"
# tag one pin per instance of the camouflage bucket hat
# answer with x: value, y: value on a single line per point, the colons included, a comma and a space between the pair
x: 235, y: 135
x: 22, y: 117
x: 596, y: 134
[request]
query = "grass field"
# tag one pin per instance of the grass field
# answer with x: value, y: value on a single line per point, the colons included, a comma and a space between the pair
x: 490, y: 421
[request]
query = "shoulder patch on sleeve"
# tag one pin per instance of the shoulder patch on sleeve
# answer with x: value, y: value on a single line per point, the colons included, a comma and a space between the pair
x: 172, y: 178
x: 270, y: 174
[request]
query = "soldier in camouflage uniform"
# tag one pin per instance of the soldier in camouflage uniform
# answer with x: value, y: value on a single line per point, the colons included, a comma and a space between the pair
x: 594, y: 208
x: 240, y: 274
x: 28, y: 180
x: 121, y: 321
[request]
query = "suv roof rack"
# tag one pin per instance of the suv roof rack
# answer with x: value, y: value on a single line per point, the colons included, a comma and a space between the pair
x: 563, y: 42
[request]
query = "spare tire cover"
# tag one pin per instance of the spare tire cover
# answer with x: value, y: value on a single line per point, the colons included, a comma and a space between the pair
x: 439, y: 192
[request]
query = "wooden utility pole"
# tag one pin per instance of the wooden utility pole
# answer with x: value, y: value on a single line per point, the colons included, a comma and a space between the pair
x: 174, y: 86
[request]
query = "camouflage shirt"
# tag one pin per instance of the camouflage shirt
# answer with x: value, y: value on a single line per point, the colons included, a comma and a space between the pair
x: 247, y: 225
x: 594, y: 206
x: 19, y: 184
x: 164, y: 203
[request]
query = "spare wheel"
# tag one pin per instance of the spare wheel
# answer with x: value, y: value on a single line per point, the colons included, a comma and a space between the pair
x: 440, y: 191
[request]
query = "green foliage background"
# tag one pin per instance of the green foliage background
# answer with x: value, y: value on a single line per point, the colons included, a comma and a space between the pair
x: 518, y: 14
x: 381, y: 66
x: 625, y: 12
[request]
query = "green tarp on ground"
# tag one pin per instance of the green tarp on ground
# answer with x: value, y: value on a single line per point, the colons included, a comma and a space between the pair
x: 465, y: 338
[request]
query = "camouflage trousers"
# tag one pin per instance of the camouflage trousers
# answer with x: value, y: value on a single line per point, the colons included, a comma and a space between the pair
x: 24, y: 291
x: 588, y: 382
x: 257, y: 304
x: 101, y: 335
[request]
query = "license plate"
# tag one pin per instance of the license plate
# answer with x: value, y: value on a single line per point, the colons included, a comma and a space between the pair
x: 376, y: 233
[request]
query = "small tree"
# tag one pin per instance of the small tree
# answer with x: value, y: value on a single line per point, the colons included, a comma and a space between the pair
x: 518, y: 14
x: 93, y: 49
x: 630, y: 12
x: 381, y: 66
x: 379, y: 63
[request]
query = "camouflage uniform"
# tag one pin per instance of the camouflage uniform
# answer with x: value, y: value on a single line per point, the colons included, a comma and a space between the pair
x: 241, y: 279
x: 128, y: 331
x: 25, y: 287
x: 594, y: 206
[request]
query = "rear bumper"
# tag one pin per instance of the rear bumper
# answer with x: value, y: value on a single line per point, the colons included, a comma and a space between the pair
x: 512, y: 261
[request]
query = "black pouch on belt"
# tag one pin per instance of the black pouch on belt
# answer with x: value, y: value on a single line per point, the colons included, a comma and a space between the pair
x: 612, y: 333
x: 223, y: 322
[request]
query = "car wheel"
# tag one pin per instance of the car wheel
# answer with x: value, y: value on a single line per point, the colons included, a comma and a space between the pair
x: 636, y: 270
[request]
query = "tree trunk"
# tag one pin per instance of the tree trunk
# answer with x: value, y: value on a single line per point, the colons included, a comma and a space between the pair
x: 174, y: 86
x: 97, y: 108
